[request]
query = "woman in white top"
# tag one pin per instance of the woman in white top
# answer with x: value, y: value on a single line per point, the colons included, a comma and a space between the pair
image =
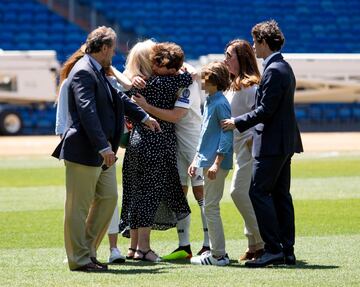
x: 241, y: 62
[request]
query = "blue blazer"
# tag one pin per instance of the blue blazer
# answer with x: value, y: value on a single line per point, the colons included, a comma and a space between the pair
x: 96, y: 116
x: 276, y: 130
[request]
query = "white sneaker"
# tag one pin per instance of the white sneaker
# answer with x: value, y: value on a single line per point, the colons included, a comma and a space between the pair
x: 115, y: 256
x: 207, y: 259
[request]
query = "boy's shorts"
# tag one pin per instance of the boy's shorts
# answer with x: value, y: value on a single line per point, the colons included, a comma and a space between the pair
x: 184, y: 159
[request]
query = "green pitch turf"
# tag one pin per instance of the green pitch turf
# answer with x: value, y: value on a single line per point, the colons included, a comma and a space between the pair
x: 326, y: 192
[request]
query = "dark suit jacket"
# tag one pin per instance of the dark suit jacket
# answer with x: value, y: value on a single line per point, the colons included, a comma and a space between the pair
x: 276, y: 130
x: 96, y: 117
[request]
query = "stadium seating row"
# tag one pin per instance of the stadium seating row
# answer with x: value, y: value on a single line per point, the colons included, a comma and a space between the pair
x: 200, y: 27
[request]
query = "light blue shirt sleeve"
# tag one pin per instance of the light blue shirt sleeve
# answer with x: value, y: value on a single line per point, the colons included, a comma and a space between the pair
x: 223, y: 111
x: 62, y: 109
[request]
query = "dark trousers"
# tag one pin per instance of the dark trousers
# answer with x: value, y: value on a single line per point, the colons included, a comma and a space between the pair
x: 271, y: 198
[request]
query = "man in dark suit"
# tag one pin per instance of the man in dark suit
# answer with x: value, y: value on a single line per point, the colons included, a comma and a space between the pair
x: 89, y: 149
x: 276, y: 139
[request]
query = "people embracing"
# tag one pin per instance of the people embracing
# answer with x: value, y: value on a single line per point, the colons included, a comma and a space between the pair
x: 243, y: 112
x: 245, y: 77
x: 276, y: 139
x: 151, y: 182
x: 214, y: 155
x: 187, y: 117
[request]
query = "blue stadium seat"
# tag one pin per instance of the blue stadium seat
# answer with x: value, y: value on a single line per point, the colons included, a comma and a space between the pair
x: 200, y: 27
x: 345, y: 112
x: 330, y: 112
x: 315, y: 113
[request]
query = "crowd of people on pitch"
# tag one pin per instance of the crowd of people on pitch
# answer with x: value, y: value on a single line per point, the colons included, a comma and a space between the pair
x: 176, y: 137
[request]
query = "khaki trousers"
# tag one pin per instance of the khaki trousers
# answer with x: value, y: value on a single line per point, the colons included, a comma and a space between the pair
x: 214, y: 190
x: 91, y: 196
x: 239, y: 190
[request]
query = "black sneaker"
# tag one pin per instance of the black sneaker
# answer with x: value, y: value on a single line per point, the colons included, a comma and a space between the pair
x: 203, y: 249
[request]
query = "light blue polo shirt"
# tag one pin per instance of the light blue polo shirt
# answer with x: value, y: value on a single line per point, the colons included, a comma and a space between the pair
x: 213, y: 139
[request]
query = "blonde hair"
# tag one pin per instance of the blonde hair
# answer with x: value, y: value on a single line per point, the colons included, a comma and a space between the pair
x: 138, y: 61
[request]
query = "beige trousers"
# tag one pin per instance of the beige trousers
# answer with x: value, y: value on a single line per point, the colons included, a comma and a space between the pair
x: 239, y: 191
x: 214, y: 190
x: 91, y: 196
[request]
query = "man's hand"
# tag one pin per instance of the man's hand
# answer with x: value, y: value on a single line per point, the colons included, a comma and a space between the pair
x: 141, y: 101
x: 192, y: 170
x: 138, y: 82
x: 109, y: 157
x: 152, y: 124
x: 212, y: 171
x: 228, y: 124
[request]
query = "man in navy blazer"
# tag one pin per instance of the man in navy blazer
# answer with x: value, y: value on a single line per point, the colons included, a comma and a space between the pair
x: 276, y: 139
x: 89, y: 149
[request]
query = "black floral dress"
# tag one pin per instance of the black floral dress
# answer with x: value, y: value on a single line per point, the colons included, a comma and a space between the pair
x: 152, y: 192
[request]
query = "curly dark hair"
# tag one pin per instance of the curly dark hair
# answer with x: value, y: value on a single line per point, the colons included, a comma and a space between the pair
x: 269, y: 31
x: 99, y: 37
x: 169, y: 55
x: 217, y: 74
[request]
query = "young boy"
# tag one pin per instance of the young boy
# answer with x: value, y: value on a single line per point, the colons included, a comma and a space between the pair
x: 214, y: 155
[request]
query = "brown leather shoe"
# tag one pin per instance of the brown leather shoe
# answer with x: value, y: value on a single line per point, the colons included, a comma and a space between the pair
x: 259, y: 253
x: 95, y: 261
x: 90, y: 267
x: 247, y: 256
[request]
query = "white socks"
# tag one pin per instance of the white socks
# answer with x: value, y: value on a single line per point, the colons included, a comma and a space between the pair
x: 183, y: 229
x: 204, y: 223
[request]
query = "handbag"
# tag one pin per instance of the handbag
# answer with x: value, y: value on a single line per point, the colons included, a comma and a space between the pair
x: 125, y: 137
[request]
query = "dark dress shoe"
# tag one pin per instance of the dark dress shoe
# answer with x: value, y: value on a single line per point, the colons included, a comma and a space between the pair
x: 90, y: 267
x: 266, y: 259
x: 95, y: 261
x: 290, y: 259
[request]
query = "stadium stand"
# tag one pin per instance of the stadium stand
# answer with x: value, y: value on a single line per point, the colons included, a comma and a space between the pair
x: 201, y: 27
x: 29, y: 25
x: 204, y: 27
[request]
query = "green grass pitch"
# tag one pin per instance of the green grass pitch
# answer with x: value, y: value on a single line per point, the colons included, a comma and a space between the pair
x: 326, y: 192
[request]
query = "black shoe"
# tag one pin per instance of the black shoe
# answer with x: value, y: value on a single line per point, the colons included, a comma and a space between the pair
x: 90, y: 267
x: 290, y: 259
x: 266, y: 259
x: 95, y: 261
x: 202, y: 250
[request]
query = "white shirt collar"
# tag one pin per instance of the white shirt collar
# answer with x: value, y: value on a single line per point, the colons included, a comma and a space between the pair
x: 266, y: 61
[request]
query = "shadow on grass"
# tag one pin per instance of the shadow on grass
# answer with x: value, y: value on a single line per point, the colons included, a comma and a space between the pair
x: 143, y: 269
x: 300, y: 264
x: 178, y: 261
